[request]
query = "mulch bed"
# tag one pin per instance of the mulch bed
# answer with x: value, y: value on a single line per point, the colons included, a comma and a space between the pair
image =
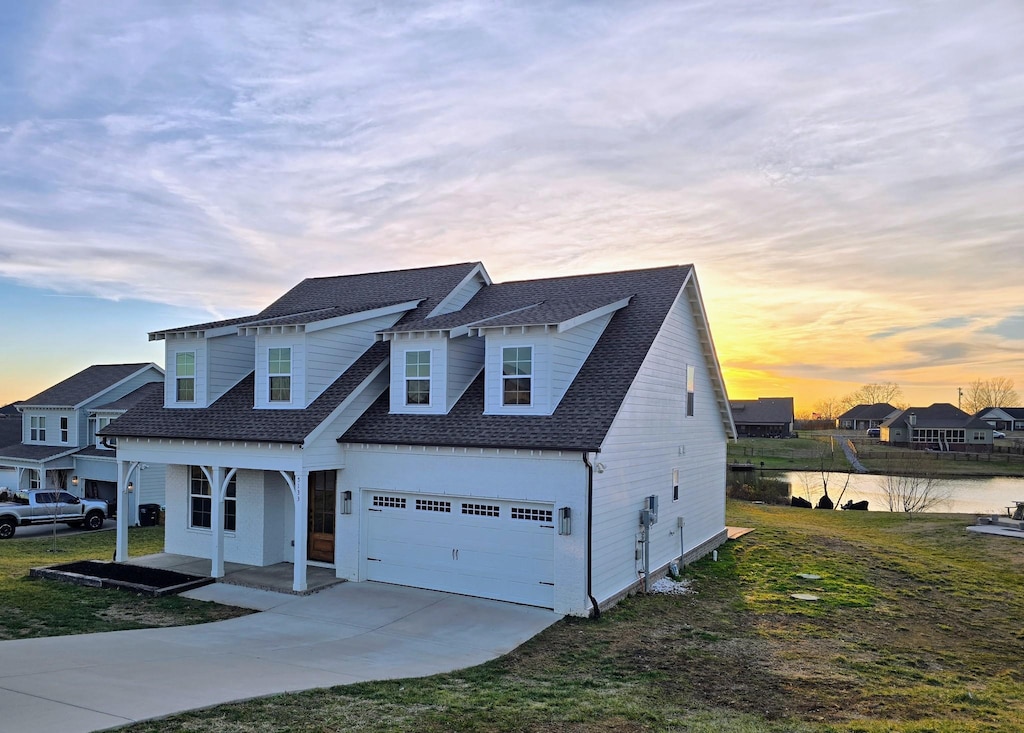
x: 136, y: 578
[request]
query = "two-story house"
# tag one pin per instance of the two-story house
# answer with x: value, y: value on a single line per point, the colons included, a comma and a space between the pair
x: 60, y: 448
x: 431, y: 428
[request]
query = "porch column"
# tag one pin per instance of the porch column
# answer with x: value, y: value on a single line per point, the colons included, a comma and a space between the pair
x: 301, y: 529
x: 215, y: 475
x: 123, y: 472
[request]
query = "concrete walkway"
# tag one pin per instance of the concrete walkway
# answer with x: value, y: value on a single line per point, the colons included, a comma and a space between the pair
x: 348, y: 633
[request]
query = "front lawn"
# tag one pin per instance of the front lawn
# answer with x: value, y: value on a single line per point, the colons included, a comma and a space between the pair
x: 34, y: 607
x: 919, y: 627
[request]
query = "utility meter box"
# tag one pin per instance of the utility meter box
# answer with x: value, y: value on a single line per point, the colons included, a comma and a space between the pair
x: 651, y: 506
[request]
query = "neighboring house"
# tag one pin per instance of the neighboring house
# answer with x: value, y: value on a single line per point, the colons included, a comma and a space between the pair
x: 430, y: 428
x: 1003, y: 418
x: 10, y: 434
x: 765, y: 417
x: 938, y: 427
x: 57, y: 444
x: 863, y: 417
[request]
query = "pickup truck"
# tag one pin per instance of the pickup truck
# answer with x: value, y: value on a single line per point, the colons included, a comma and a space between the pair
x: 46, y: 506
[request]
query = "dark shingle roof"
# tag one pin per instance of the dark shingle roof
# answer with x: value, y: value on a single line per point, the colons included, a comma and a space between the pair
x: 91, y: 451
x: 1017, y: 413
x: 87, y: 383
x: 35, y: 452
x: 494, y: 312
x: 877, y: 411
x: 132, y: 398
x: 233, y: 416
x: 938, y: 415
x: 10, y: 431
x: 762, y: 411
x: 583, y: 417
x: 9, y: 411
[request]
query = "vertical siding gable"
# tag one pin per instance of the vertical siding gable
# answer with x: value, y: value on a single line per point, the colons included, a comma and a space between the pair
x: 649, y: 438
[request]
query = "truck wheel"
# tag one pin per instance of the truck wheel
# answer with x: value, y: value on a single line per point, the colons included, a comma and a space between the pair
x: 6, y: 528
x: 94, y: 520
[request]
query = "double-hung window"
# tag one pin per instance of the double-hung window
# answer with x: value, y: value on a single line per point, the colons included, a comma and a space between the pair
x: 201, y: 501
x: 185, y: 376
x: 516, y: 375
x: 37, y: 428
x: 417, y: 377
x: 63, y: 429
x: 279, y: 367
x: 691, y: 373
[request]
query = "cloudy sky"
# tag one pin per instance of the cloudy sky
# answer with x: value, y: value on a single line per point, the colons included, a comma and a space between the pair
x: 848, y: 177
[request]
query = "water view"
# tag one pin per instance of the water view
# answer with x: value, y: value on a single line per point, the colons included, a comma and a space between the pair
x: 965, y: 495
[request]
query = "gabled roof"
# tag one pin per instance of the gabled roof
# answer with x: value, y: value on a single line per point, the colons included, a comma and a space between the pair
x: 132, y: 398
x: 877, y: 411
x: 87, y: 384
x: 10, y: 432
x: 233, y: 416
x: 32, y: 452
x: 1017, y: 413
x: 583, y: 417
x: 9, y: 411
x: 938, y: 415
x: 762, y: 411
x: 320, y: 298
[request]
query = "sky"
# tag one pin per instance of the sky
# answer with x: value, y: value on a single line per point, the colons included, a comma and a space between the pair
x: 847, y: 177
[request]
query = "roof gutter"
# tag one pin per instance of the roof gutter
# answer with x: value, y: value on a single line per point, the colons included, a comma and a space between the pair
x: 590, y: 536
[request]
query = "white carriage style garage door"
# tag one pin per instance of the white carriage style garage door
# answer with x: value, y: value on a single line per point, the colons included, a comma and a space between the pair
x: 479, y: 547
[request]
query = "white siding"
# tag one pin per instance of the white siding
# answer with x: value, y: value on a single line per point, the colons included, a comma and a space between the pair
x: 458, y: 298
x: 323, y: 452
x: 151, y: 484
x: 465, y: 360
x: 298, y: 364
x: 127, y: 387
x: 568, y: 352
x: 650, y: 437
x: 174, y: 347
x: 230, y: 358
x: 96, y: 469
x: 541, y: 400
x: 547, y: 477
x: 333, y: 350
x: 438, y: 348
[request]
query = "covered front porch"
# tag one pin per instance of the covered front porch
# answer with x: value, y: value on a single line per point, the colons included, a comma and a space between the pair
x: 278, y: 578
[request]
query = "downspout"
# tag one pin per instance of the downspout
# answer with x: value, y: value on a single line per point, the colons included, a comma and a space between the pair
x: 590, y: 536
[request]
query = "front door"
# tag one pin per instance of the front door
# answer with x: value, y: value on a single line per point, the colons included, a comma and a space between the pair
x: 322, y: 485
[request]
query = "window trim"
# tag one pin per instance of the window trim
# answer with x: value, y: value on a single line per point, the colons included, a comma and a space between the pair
x: 691, y: 389
x: 183, y: 379
x: 37, y: 428
x: 197, y: 479
x: 279, y: 375
x: 531, y: 376
x: 675, y: 484
x: 408, y: 380
x: 64, y: 424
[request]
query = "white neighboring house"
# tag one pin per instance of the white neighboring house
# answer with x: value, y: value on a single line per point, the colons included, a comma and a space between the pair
x: 430, y: 428
x: 59, y: 447
x: 10, y: 433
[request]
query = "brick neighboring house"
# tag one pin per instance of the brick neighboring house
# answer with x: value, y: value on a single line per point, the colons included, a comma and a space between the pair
x: 862, y: 417
x: 765, y: 417
x: 940, y: 426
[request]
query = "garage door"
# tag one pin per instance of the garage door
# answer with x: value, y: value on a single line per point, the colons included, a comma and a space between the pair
x: 479, y: 547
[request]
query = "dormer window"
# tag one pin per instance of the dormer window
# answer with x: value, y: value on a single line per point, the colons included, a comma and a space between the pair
x: 417, y: 377
x: 279, y: 368
x: 516, y: 375
x: 185, y: 376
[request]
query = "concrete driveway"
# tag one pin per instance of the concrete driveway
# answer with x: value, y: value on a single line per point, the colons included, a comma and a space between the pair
x: 348, y: 633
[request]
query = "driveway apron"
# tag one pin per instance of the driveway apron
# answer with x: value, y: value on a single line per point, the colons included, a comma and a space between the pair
x: 352, y: 632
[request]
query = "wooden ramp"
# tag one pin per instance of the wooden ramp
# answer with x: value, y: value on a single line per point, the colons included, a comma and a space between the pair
x: 736, y: 532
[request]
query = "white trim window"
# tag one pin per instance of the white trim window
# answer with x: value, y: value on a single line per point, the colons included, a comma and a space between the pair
x: 185, y: 376
x: 34, y: 484
x: 517, y: 375
x: 417, y: 377
x: 279, y: 369
x: 37, y: 428
x: 675, y: 484
x: 691, y: 389
x: 63, y: 429
x: 201, y: 501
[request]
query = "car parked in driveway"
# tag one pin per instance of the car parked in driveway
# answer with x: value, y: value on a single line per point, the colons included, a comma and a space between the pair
x: 49, y: 506
x: 874, y: 432
x: 998, y: 434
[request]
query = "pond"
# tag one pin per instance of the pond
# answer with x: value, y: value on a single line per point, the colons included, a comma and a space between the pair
x: 964, y: 494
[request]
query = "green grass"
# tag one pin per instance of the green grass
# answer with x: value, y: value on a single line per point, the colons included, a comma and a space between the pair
x: 919, y: 627
x: 789, y: 453
x: 879, y: 458
x: 33, y: 607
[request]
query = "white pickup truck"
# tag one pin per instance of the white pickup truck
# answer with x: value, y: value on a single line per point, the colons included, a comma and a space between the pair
x: 46, y: 506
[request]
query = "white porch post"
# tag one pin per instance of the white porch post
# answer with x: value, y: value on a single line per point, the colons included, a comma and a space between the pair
x: 215, y: 475
x: 301, y: 522
x: 124, y: 471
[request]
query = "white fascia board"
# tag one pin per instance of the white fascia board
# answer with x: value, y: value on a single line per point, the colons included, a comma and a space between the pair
x: 319, y: 429
x: 102, y: 392
x: 477, y: 271
x: 363, y: 315
x: 711, y: 355
x: 591, y: 315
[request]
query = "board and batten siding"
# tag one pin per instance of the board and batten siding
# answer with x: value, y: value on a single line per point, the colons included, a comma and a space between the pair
x: 465, y: 360
x: 331, y: 351
x: 231, y: 358
x: 649, y: 437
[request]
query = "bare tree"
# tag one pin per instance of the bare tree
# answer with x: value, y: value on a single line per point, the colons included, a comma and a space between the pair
x: 831, y: 471
x: 828, y: 408
x: 994, y: 392
x: 912, y: 488
x: 873, y: 394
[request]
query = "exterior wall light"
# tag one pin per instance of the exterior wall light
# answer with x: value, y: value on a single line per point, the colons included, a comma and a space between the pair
x: 131, y: 487
x: 74, y: 480
x: 346, y: 502
x: 564, y: 520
